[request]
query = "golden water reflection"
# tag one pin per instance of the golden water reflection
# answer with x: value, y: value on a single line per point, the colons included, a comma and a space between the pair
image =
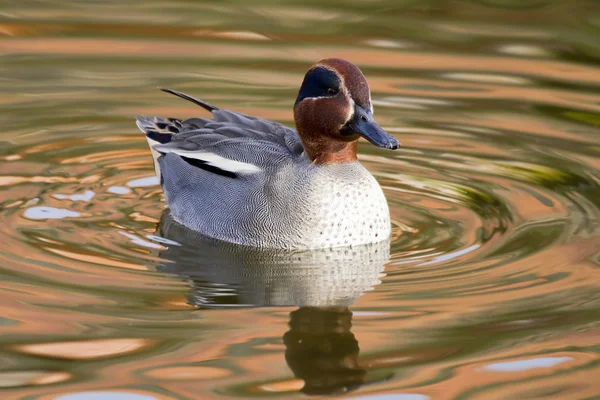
x: 487, y: 289
x: 85, y: 350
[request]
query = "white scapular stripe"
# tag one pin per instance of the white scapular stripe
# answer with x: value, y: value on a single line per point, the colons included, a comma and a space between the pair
x: 217, y: 161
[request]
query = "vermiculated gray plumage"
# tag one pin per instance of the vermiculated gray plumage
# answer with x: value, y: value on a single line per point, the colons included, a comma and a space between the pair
x: 246, y: 180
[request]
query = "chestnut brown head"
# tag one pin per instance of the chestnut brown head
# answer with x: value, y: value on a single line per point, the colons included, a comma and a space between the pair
x: 333, y: 110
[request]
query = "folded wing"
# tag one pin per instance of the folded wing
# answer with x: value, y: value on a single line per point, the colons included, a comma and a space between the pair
x: 231, y: 144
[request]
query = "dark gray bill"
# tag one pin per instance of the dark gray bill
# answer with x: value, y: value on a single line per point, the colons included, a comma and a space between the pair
x: 363, y: 124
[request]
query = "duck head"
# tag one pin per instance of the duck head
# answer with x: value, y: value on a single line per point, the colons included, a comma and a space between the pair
x: 333, y: 110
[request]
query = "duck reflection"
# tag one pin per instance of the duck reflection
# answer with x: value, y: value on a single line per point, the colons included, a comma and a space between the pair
x: 321, y: 350
x: 320, y: 347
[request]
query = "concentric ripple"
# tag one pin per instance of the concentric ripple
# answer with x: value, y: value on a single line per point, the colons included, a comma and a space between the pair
x: 488, y: 287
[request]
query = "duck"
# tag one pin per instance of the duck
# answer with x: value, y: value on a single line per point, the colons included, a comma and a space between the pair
x: 254, y: 182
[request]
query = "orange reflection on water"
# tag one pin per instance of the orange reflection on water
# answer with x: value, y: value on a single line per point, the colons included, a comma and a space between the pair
x: 188, y: 373
x: 105, y: 156
x: 552, y: 69
x: 16, y: 180
x: 286, y: 386
x: 482, y: 111
x: 31, y: 377
x: 86, y: 349
x: 96, y: 259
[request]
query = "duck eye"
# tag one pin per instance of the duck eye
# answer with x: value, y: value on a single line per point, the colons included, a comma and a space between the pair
x: 332, y: 91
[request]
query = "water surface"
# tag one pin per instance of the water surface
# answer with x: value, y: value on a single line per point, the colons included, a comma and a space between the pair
x: 488, y: 289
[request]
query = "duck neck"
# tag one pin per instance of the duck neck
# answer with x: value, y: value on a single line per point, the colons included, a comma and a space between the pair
x: 326, y: 151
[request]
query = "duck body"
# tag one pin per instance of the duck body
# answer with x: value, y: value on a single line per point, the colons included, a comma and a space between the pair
x: 254, y: 182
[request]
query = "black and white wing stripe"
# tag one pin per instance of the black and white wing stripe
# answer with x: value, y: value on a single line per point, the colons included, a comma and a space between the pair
x: 231, y: 144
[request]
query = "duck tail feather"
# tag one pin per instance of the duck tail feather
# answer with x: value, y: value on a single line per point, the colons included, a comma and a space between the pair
x: 206, y: 106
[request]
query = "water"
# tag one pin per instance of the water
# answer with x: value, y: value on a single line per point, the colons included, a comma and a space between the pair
x: 489, y: 288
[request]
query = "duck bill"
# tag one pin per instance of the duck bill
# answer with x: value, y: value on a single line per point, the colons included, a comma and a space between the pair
x: 363, y: 124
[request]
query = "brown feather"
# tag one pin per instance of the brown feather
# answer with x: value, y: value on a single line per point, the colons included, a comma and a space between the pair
x: 319, y: 122
x: 353, y: 79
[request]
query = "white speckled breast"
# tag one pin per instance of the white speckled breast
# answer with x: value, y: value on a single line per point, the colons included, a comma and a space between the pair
x: 349, y: 207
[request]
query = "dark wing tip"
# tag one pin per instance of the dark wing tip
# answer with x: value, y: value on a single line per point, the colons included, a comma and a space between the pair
x: 161, y: 138
x: 206, y: 106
